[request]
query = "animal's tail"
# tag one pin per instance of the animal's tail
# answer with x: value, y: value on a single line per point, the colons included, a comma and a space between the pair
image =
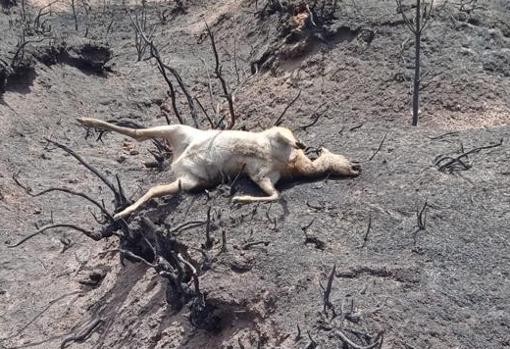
x: 138, y: 134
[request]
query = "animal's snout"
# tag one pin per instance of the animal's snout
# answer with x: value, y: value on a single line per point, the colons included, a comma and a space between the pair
x: 355, y: 165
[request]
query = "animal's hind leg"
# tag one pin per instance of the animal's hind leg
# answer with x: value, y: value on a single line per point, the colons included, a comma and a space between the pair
x: 267, y: 185
x: 138, y: 134
x: 157, y: 191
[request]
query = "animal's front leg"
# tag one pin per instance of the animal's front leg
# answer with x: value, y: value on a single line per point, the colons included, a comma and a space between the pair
x: 267, y: 185
x: 155, y: 192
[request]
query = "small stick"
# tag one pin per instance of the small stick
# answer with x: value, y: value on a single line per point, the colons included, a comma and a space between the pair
x: 279, y: 121
x: 365, y: 238
x: 356, y: 127
x: 53, y: 226
x: 346, y: 339
x: 83, y: 334
x: 218, y: 68
x: 118, y: 198
x: 193, y: 271
x: 327, y: 292
x: 211, y: 123
x: 72, y: 192
x: 444, y: 135
x: 208, y: 241
x: 39, y: 314
x: 223, y: 241
x: 313, y: 343
x: 465, y: 154
x: 248, y: 245
x: 316, y: 117
x: 298, y: 336
x: 421, y: 221
x: 186, y: 226
x: 378, y: 148
x: 130, y: 254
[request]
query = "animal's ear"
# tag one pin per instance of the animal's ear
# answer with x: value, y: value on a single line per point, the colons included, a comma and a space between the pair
x: 284, y: 139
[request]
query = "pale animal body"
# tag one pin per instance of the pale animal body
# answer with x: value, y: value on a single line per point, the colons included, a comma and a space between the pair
x: 204, y: 158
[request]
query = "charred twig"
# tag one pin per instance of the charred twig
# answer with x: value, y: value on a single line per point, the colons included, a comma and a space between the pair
x: 40, y: 27
x: 377, y: 341
x: 313, y: 344
x: 20, y: 49
x: 185, y: 226
x: 90, y: 234
x: 211, y: 123
x: 306, y: 227
x: 441, y: 136
x: 315, y: 118
x: 452, y: 162
x: 421, y: 217
x: 365, y: 238
x: 72, y: 192
x: 193, y: 273
x: 279, y: 121
x: 327, y: 292
x: 130, y: 254
x: 51, y: 303
x: 140, y: 44
x: 218, y: 72
x: 356, y: 127
x: 82, y: 335
x: 163, y: 68
x: 209, y: 87
x: 223, y: 241
x: 298, y: 335
x: 208, y: 241
x: 119, y: 198
x: 249, y: 245
x: 378, y: 148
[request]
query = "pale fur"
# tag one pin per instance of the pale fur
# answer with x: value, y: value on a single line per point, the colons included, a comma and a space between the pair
x: 203, y: 158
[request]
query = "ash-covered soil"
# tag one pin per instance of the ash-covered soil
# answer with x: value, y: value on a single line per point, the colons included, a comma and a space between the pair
x: 421, y: 255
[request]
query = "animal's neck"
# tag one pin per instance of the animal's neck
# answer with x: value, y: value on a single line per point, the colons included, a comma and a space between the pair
x: 179, y: 140
x: 302, y: 166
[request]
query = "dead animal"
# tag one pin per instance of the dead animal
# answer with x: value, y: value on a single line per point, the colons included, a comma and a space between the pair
x: 203, y: 158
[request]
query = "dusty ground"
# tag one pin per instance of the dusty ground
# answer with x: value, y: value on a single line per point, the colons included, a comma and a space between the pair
x: 446, y: 286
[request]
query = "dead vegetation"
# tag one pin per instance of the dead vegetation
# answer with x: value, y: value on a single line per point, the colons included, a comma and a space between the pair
x: 333, y: 264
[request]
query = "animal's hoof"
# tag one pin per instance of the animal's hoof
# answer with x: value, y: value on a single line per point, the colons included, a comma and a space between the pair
x: 238, y: 200
x: 119, y: 216
x: 85, y: 121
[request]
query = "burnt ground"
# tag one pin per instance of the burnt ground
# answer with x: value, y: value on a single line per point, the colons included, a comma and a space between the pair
x: 444, y: 286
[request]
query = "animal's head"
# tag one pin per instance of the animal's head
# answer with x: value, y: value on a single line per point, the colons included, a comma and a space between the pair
x: 339, y: 165
x: 283, y: 136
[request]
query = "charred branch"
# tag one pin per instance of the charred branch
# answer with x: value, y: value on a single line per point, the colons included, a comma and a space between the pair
x: 327, y: 293
x: 279, y: 121
x: 365, y: 238
x: 92, y: 235
x: 163, y: 68
x: 120, y: 200
x: 450, y: 164
x: 83, y: 334
x: 376, y: 343
x: 218, y: 72
x: 378, y: 148
x: 421, y: 217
